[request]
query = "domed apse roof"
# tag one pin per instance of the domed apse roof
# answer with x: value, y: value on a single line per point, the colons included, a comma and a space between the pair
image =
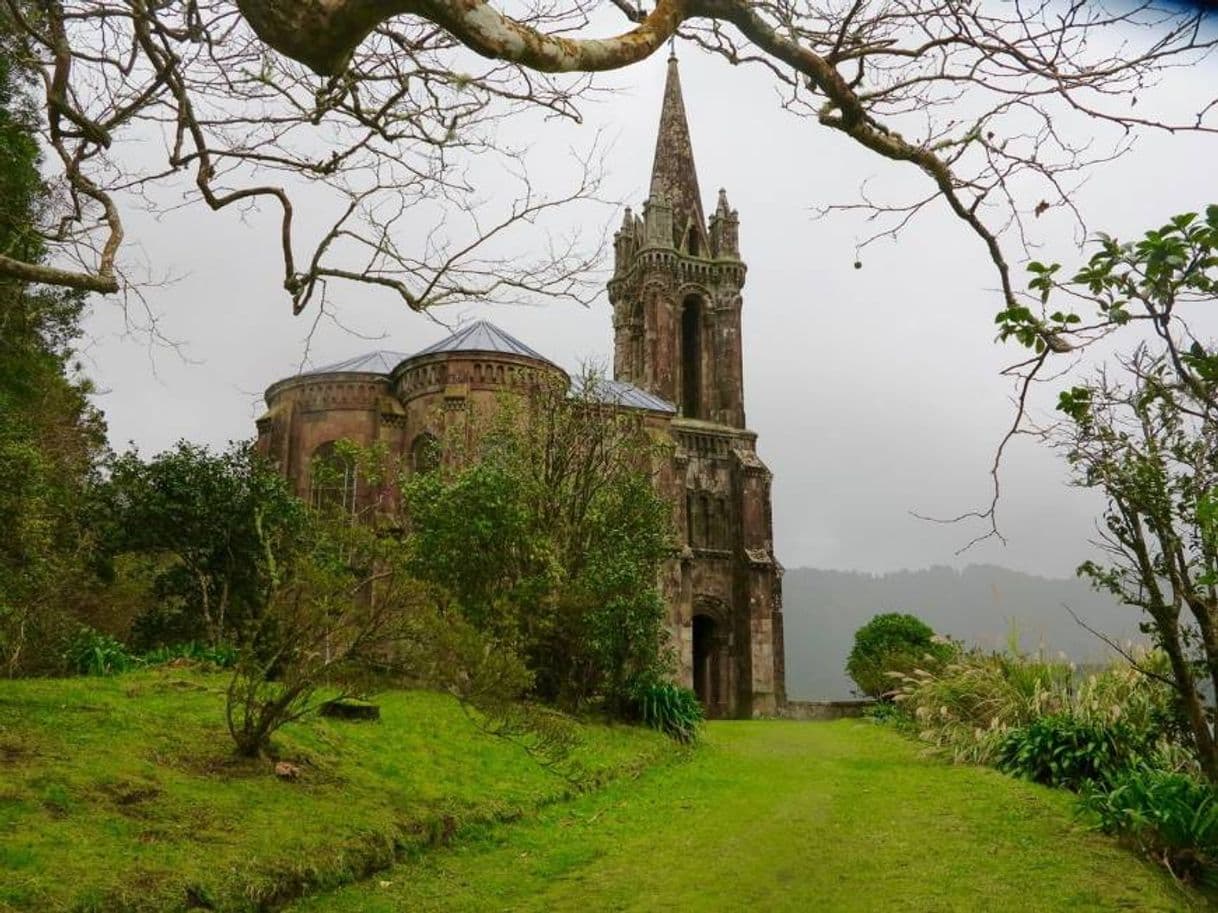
x: 379, y: 362
x: 621, y: 393
x: 481, y: 336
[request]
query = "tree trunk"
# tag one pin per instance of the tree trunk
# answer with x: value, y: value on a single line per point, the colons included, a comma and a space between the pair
x: 1203, y: 737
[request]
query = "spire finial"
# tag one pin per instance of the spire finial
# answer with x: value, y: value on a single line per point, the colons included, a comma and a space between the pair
x: 673, y: 175
x: 672, y: 48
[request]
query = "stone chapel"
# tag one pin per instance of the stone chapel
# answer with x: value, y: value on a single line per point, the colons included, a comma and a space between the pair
x: 676, y: 299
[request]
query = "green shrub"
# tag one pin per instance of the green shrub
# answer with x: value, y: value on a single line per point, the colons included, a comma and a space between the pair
x: 890, y: 644
x: 1064, y: 751
x: 91, y: 652
x: 890, y: 713
x: 222, y: 656
x: 1171, y: 817
x: 669, y: 708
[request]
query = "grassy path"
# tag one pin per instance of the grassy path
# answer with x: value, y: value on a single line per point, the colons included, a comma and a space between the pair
x: 784, y: 817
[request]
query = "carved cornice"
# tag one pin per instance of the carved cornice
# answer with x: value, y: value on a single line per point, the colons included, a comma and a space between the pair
x: 686, y: 269
x: 312, y: 393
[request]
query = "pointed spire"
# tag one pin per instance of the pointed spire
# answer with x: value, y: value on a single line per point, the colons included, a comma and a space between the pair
x: 673, y: 174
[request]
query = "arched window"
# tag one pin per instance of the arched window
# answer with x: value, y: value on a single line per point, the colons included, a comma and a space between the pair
x: 691, y: 358
x: 424, y: 453
x: 694, y: 242
x: 333, y: 480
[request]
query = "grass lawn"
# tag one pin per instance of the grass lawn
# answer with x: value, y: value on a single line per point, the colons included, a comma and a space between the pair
x: 808, y: 817
x: 122, y: 794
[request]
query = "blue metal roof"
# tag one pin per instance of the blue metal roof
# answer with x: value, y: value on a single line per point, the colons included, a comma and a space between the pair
x: 621, y: 393
x: 379, y: 362
x: 482, y: 336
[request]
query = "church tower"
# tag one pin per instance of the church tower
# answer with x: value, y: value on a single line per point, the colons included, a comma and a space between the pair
x: 676, y: 284
x: 676, y: 301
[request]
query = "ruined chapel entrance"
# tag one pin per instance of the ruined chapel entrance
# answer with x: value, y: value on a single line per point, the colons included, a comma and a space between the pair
x: 711, y: 666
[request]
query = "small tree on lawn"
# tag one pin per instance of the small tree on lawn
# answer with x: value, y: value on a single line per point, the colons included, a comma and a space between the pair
x: 337, y: 611
x: 342, y: 615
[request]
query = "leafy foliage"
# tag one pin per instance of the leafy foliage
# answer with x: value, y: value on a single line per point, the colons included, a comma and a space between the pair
x: 221, y: 656
x: 1065, y: 751
x: 1171, y: 817
x: 669, y: 708
x: 889, y: 644
x: 92, y: 653
x: 214, y: 519
x: 549, y: 538
x: 50, y: 436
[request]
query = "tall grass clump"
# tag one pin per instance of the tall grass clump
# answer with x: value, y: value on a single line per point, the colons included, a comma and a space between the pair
x: 966, y: 707
x: 1021, y: 710
x: 670, y: 709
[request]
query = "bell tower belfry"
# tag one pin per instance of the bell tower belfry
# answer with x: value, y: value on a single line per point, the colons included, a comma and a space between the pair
x: 676, y: 284
x: 676, y: 300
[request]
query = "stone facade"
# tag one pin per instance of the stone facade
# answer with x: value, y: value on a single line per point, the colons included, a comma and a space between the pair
x: 676, y: 298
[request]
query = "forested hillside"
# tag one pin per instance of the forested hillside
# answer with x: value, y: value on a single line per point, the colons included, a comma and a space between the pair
x: 980, y: 604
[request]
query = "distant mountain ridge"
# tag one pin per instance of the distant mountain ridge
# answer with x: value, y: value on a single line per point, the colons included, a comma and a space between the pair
x: 980, y: 604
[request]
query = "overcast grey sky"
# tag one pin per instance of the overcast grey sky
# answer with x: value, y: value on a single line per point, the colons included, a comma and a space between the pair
x: 875, y: 391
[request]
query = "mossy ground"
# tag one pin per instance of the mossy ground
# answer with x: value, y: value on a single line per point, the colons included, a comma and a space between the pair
x: 769, y: 816
x: 123, y: 794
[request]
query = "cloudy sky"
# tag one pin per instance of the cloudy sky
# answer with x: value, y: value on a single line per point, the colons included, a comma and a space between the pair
x: 875, y: 391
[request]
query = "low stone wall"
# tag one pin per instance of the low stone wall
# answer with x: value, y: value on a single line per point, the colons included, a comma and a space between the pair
x: 822, y: 711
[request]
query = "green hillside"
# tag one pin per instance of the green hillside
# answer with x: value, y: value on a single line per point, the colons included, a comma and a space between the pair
x: 122, y: 793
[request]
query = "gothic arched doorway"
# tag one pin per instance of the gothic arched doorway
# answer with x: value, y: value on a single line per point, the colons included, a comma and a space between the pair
x: 711, y: 666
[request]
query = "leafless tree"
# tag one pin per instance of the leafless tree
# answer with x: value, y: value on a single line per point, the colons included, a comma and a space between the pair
x: 382, y: 101
x: 404, y: 142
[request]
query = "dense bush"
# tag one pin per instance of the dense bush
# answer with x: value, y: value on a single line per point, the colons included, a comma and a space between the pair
x: 550, y: 539
x: 893, y: 643
x: 90, y: 652
x: 51, y: 436
x: 669, y: 708
x: 1171, y: 817
x: 1066, y: 751
x: 210, y: 525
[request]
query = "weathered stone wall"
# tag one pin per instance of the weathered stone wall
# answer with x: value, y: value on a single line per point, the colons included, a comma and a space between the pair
x: 453, y: 397
x: 306, y: 412
x: 824, y: 711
